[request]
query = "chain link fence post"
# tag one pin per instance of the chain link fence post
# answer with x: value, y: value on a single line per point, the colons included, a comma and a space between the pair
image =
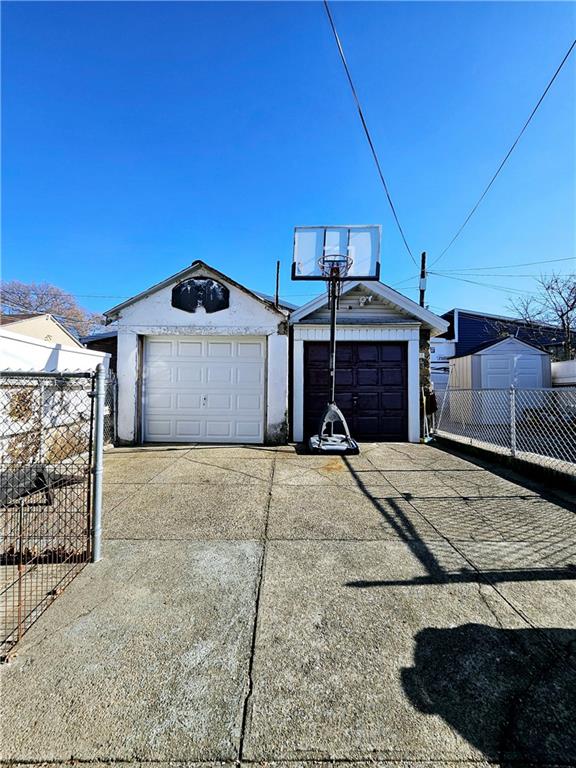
x: 98, y: 468
x: 513, y: 421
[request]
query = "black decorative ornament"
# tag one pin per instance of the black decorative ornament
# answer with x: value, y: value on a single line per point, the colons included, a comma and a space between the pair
x: 200, y: 292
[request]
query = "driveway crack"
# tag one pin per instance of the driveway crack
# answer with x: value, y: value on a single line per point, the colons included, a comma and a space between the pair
x: 259, y: 585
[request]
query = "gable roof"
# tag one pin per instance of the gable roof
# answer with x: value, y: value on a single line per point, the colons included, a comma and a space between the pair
x: 434, y: 322
x: 22, y: 318
x: 6, y: 319
x: 194, y: 268
x: 496, y: 343
x: 503, y: 318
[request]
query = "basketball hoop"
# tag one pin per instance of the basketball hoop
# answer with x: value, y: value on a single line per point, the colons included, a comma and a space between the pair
x: 335, y: 254
x: 334, y: 266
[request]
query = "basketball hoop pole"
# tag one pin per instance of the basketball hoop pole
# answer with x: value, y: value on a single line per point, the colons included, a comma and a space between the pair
x: 332, y: 290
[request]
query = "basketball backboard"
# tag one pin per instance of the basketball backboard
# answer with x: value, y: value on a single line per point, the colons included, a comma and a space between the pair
x: 360, y: 243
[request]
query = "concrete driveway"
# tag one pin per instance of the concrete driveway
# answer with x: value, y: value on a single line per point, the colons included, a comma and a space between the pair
x: 402, y: 607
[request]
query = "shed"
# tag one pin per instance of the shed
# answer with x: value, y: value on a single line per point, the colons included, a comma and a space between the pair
x: 481, y: 379
x: 501, y: 364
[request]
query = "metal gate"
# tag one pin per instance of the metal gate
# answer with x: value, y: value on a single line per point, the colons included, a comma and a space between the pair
x: 47, y: 429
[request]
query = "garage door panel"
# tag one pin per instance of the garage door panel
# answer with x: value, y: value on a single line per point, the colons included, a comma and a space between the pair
x: 218, y: 429
x: 186, y: 374
x: 247, y: 429
x: 368, y: 425
x: 204, y: 389
x: 184, y: 401
x: 253, y: 350
x: 159, y: 349
x: 371, y: 388
x: 160, y: 400
x: 367, y: 377
x: 159, y: 428
x: 220, y: 374
x: 188, y: 349
x: 191, y: 430
x: 344, y: 377
x: 368, y: 353
x: 220, y: 349
x: 392, y: 400
x: 249, y: 402
x: 368, y: 401
x: 249, y: 375
x: 391, y: 377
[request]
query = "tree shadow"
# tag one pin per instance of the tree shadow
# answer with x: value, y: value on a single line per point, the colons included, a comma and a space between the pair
x: 511, y: 693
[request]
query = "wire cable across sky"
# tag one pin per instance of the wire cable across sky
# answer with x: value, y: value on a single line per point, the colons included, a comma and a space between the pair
x: 503, y: 163
x: 366, y: 131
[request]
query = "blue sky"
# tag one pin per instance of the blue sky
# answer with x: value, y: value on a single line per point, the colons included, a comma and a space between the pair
x: 138, y: 137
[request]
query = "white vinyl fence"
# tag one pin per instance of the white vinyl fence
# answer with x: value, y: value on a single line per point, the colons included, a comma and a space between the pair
x: 537, y: 425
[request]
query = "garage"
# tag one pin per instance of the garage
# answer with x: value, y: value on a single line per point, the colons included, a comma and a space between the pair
x: 371, y: 388
x: 204, y: 389
x: 381, y: 362
x: 201, y: 359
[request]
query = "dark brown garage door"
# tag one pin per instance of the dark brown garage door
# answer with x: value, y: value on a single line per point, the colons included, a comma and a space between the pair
x: 371, y: 388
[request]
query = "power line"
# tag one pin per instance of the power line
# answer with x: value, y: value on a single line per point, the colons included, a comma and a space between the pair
x: 487, y: 285
x: 488, y: 274
x: 366, y: 131
x: 507, y: 266
x: 20, y: 308
x: 493, y: 179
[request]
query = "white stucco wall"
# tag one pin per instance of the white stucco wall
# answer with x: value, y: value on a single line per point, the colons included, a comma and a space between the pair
x: 154, y: 315
x: 24, y: 353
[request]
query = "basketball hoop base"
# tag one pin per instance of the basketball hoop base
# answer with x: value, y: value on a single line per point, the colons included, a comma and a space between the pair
x: 328, y: 441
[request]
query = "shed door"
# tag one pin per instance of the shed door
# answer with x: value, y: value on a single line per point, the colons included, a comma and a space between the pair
x: 204, y: 389
x: 504, y: 371
x: 371, y: 388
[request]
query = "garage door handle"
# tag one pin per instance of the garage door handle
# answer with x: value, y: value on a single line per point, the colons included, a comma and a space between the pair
x: 204, y: 401
x: 354, y: 401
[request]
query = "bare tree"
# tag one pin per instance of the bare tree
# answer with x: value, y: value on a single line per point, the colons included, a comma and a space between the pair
x: 45, y: 298
x: 554, y: 305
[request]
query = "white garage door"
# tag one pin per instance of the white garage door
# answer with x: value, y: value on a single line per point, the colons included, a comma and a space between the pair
x: 503, y: 371
x: 204, y: 389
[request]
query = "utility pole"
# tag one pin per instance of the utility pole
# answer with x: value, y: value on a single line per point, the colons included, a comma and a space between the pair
x: 422, y: 277
x: 277, y: 291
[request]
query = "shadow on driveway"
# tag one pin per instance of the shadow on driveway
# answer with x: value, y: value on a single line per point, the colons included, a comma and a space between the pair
x: 509, y: 692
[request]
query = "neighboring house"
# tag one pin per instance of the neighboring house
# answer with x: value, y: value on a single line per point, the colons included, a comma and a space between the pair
x: 501, y: 364
x: 564, y: 373
x: 32, y: 355
x: 382, y: 362
x: 39, y: 326
x: 201, y: 358
x: 106, y: 341
x: 469, y: 329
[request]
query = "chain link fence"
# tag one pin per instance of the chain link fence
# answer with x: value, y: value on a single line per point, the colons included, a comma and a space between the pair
x: 110, y: 409
x: 46, y: 460
x: 537, y: 425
